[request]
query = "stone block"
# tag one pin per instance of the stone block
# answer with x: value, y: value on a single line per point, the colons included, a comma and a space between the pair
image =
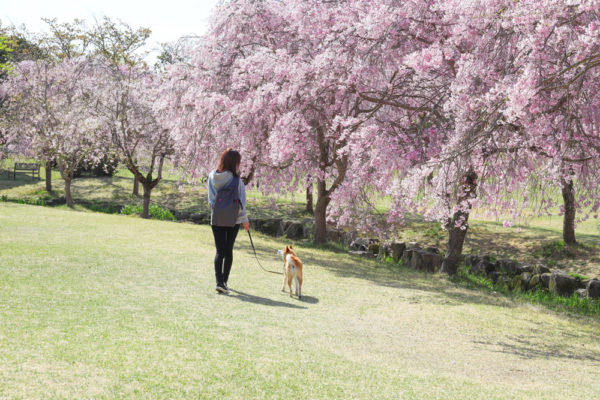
x: 562, y: 283
x: 396, y: 250
x: 593, y: 289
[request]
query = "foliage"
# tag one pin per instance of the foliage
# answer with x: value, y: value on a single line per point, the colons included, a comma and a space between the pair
x: 5, y: 55
x: 38, y: 201
x: 436, y: 104
x: 156, y: 211
x: 578, y: 276
x: 293, y: 95
x: 103, y: 208
x: 117, y: 42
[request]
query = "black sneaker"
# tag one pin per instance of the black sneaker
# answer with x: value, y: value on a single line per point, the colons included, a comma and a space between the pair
x: 222, y: 289
x: 225, y: 286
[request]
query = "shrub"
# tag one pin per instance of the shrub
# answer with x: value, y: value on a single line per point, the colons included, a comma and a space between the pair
x: 104, y: 208
x: 131, y: 209
x: 156, y: 211
x: 26, y: 200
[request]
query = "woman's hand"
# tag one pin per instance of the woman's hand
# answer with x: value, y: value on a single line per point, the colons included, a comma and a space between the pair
x: 247, y: 226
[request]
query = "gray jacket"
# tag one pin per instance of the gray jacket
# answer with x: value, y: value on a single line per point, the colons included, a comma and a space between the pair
x: 218, y: 180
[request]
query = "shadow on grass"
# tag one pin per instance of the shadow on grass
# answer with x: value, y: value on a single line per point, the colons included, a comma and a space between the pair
x: 87, y: 187
x: 261, y: 300
x: 380, y: 273
x: 531, y: 349
x: 23, y: 178
x: 309, y: 300
x: 452, y: 292
x: 119, y: 190
x: 491, y: 237
x: 540, y: 232
x: 383, y: 274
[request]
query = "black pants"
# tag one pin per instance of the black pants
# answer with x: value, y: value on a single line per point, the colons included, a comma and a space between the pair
x: 224, y: 240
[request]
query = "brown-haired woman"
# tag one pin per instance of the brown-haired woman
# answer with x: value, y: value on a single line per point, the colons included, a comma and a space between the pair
x: 222, y: 178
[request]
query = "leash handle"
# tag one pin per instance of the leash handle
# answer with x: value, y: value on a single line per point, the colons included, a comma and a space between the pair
x: 259, y: 264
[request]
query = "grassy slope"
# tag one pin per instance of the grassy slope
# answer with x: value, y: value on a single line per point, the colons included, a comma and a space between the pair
x: 105, y: 306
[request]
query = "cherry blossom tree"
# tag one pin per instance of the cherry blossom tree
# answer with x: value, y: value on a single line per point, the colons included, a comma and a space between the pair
x: 48, y: 113
x: 133, y: 122
x: 282, y: 81
x: 510, y: 140
x: 470, y: 59
x: 554, y: 98
x: 442, y: 105
x: 536, y: 73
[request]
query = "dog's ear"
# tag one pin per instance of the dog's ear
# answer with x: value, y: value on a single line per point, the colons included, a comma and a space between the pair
x: 292, y: 246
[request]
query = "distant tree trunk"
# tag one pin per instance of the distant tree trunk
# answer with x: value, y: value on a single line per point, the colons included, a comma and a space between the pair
x: 48, y: 176
x: 136, y: 186
x: 146, y: 181
x: 456, y: 235
x: 309, y: 200
x: 147, y: 192
x: 68, y: 192
x: 320, y: 213
x: 568, y: 194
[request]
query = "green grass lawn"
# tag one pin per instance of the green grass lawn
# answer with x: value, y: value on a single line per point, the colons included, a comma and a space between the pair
x: 109, y: 307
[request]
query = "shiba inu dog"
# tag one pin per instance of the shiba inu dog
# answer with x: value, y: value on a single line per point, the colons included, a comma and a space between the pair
x: 292, y: 271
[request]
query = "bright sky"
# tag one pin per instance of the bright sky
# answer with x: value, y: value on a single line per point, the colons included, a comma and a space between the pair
x: 168, y: 20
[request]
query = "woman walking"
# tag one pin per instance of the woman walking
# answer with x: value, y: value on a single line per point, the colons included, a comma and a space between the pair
x: 227, y: 198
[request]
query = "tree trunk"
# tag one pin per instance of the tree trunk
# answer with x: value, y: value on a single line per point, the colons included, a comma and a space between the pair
x: 147, y: 191
x: 309, y: 200
x: 456, y: 239
x: 320, y: 214
x: 48, y: 176
x: 68, y: 192
x: 456, y: 234
x: 568, y: 194
x: 136, y: 186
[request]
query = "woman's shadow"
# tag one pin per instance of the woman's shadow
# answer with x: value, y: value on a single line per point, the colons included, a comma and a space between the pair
x: 268, y: 302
